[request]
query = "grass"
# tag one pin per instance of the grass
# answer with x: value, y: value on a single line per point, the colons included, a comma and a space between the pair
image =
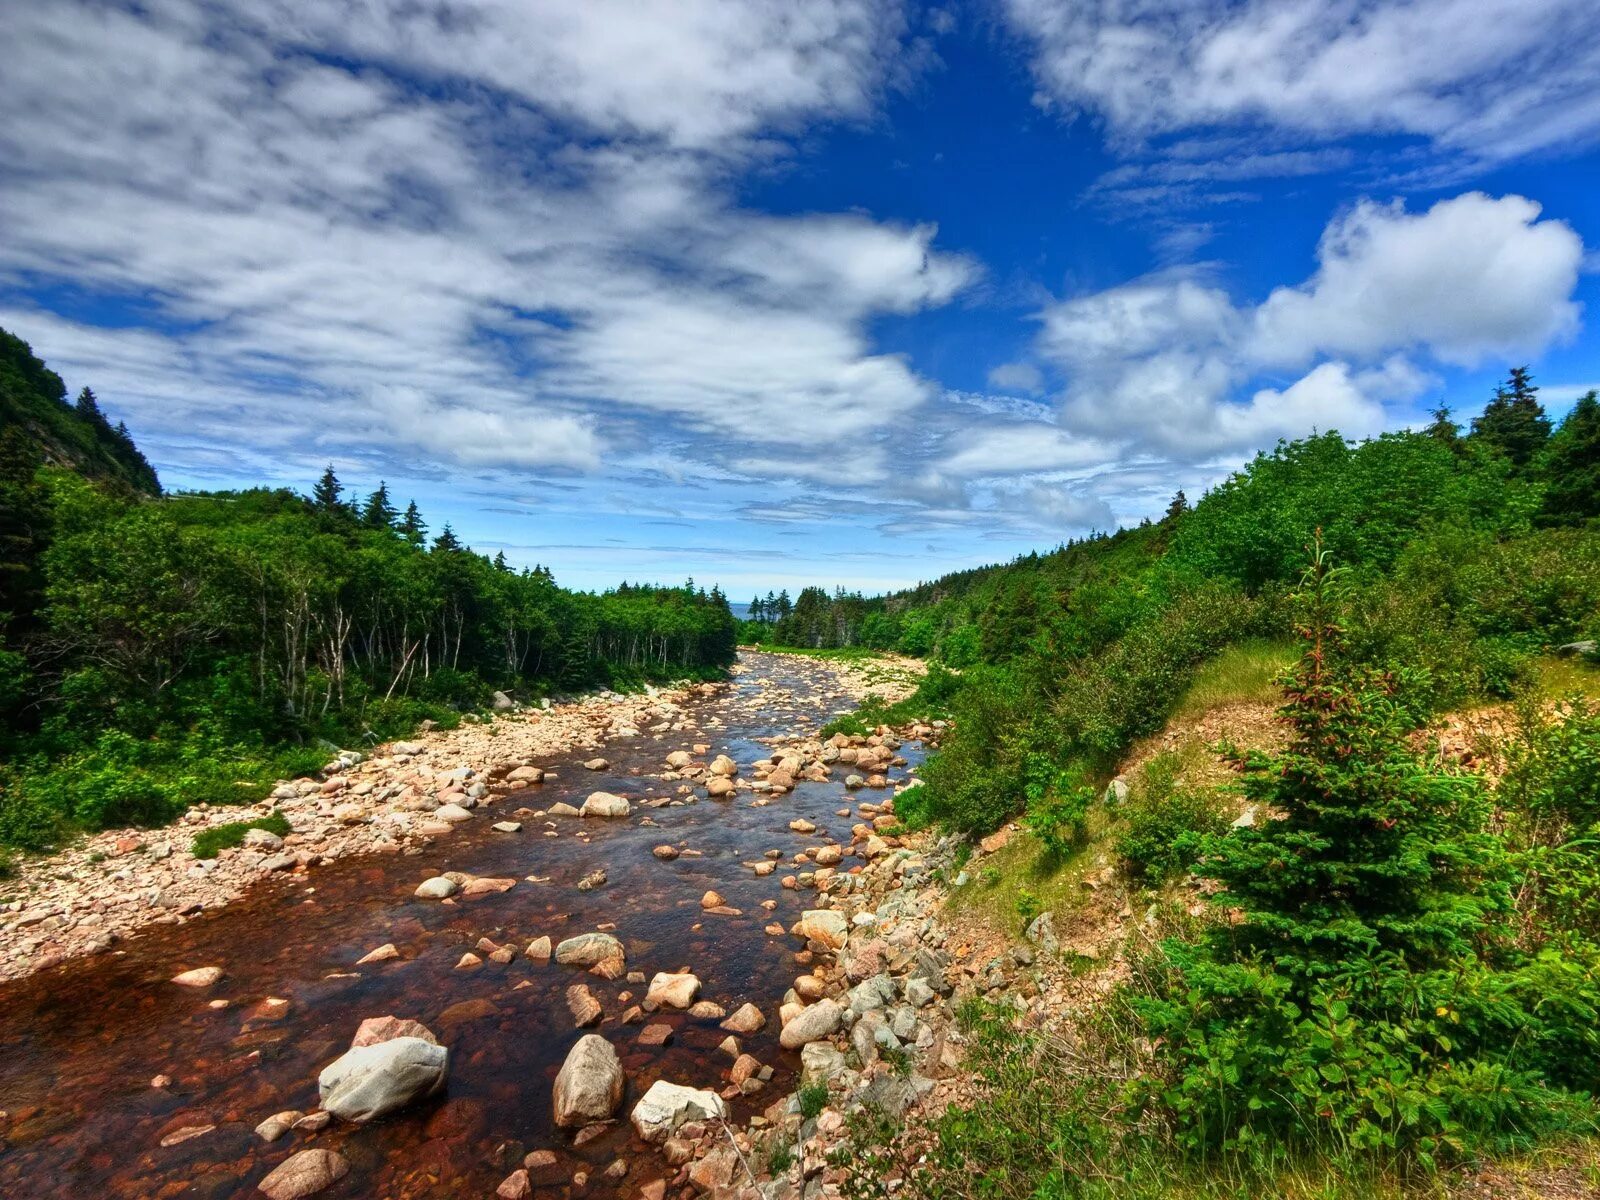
x: 208, y: 842
x: 1022, y: 876
x: 1558, y: 678
x: 1245, y: 672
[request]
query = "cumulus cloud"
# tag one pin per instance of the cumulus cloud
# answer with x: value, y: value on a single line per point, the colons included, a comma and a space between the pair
x: 1157, y: 364
x: 1017, y: 377
x: 474, y: 233
x: 1494, y: 78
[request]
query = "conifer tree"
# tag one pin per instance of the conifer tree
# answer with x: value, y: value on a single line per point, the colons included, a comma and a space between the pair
x: 1573, y: 467
x: 325, y: 496
x: 447, y: 540
x: 378, y: 512
x: 412, y: 525
x: 1444, y: 429
x: 1179, y: 506
x: 1514, y: 423
x: 88, y: 407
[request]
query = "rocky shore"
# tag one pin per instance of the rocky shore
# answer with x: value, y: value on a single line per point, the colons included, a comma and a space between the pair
x: 89, y: 897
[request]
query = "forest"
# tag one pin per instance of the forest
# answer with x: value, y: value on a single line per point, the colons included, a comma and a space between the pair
x: 161, y: 649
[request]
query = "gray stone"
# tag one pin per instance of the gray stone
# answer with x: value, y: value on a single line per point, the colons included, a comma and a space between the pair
x: 437, y: 888
x: 811, y: 1024
x: 372, y: 1081
x: 589, y: 1085
x: 1042, y: 933
x: 304, y: 1174
x: 668, y: 1105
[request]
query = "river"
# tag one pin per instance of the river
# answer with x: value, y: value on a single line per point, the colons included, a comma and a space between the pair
x: 81, y: 1043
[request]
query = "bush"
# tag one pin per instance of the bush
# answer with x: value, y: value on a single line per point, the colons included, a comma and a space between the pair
x: 225, y: 837
x: 813, y: 1099
x: 1165, y: 824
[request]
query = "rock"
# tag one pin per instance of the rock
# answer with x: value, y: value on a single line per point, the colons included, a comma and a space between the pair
x: 371, y: 1081
x: 665, y: 853
x: 539, y: 949
x: 515, y: 1186
x: 811, y: 1024
x: 262, y: 839
x: 1116, y: 792
x: 304, y: 1174
x: 187, y: 1133
x: 599, y: 951
x: 503, y: 702
x: 717, y: 787
x: 707, y: 1010
x: 588, y: 1087
x: 382, y: 954
x: 507, y: 826
x: 679, y: 759
x: 407, y: 748
x: 584, y: 1007
x: 596, y: 764
x: 437, y: 888
x: 715, y: 1171
x: 526, y: 775
x: 562, y: 809
x: 801, y: 825
x: 1578, y: 649
x: 453, y: 813
x: 278, y: 1124
x: 824, y: 925
x: 374, y: 1030
x: 655, y: 1035
x: 820, y: 1062
x: 1042, y: 933
x: 595, y: 878
x: 199, y: 977
x: 673, y: 990
x: 712, y: 899
x: 604, y: 804
x: 668, y: 1105
x: 486, y: 885
x: 747, y: 1018
x: 724, y: 766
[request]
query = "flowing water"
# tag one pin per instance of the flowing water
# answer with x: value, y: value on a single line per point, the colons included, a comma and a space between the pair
x: 80, y: 1044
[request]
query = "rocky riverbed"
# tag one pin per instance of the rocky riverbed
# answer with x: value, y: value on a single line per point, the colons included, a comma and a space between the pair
x: 589, y: 952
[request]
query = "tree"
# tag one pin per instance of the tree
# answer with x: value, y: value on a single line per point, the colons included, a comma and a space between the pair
x: 378, y: 513
x: 1444, y: 429
x: 413, y: 526
x: 1573, y: 466
x: 88, y: 408
x: 325, y: 496
x: 1514, y: 423
x: 1179, y: 506
x: 447, y: 541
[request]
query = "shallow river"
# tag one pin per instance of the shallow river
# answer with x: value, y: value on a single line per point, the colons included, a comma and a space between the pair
x: 80, y: 1044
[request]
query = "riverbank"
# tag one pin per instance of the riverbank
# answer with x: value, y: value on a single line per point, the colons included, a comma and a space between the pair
x: 105, y: 888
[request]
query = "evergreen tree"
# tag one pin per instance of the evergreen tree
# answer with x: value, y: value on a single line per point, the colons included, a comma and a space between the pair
x: 378, y: 512
x: 24, y: 526
x: 1179, y: 506
x: 325, y: 496
x: 1514, y: 423
x: 88, y: 407
x: 500, y: 563
x: 1444, y: 429
x: 447, y: 540
x: 755, y: 609
x: 413, y: 526
x: 1573, y: 466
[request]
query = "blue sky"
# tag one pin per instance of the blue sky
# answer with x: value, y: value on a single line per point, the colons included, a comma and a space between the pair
x: 768, y: 293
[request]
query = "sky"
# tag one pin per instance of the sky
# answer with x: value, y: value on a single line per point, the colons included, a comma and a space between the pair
x: 777, y: 292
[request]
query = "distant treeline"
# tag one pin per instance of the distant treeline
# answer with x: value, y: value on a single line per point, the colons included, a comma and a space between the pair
x: 153, y: 649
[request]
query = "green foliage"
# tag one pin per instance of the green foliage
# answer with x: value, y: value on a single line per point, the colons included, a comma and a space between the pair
x: 1513, y: 425
x: 1028, y: 905
x: 208, y: 842
x: 1573, y: 466
x: 813, y: 1098
x: 779, y: 1159
x: 1360, y: 986
x: 1058, y: 807
x: 1165, y: 824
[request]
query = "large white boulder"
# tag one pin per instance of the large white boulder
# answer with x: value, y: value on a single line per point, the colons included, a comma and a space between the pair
x: 604, y: 804
x: 667, y: 1105
x: 371, y: 1081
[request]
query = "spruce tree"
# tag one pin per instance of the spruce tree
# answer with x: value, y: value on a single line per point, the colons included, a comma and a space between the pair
x: 1444, y: 429
x: 378, y: 512
x: 325, y: 496
x: 1572, y: 470
x: 413, y: 526
x: 447, y: 540
x: 1514, y: 423
x: 88, y: 407
x: 1179, y: 506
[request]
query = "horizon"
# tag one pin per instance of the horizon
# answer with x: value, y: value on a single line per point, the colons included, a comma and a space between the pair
x: 856, y: 300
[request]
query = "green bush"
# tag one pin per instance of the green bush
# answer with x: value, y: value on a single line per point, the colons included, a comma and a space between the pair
x: 813, y: 1099
x: 225, y: 837
x: 1164, y: 824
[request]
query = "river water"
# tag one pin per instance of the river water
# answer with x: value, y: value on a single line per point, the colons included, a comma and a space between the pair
x: 79, y: 1044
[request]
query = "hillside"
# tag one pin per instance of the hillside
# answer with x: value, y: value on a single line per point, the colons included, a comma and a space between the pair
x: 34, y: 408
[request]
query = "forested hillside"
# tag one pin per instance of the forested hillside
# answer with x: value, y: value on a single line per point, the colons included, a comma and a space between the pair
x: 1358, y: 956
x: 160, y: 650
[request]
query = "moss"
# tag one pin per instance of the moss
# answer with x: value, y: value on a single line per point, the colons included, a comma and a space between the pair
x: 208, y: 842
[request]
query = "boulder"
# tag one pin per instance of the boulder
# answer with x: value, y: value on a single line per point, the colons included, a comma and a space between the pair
x: 604, y: 804
x: 673, y: 990
x: 824, y: 925
x: 724, y: 766
x: 811, y: 1024
x: 374, y: 1030
x: 1578, y: 649
x: 198, y: 978
x: 304, y: 1174
x: 599, y: 951
x: 668, y: 1105
x: 747, y: 1018
x: 588, y: 1087
x: 596, y: 764
x: 437, y: 888
x: 371, y: 1081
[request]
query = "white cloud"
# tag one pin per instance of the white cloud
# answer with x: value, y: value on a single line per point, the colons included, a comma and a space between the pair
x: 1495, y: 78
x: 1013, y: 449
x: 1017, y: 377
x: 1157, y: 364
x: 505, y: 238
x: 1473, y: 277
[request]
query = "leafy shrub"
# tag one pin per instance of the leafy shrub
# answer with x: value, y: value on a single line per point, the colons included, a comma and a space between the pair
x: 1058, y: 807
x: 813, y: 1099
x: 1165, y: 824
x: 225, y: 837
